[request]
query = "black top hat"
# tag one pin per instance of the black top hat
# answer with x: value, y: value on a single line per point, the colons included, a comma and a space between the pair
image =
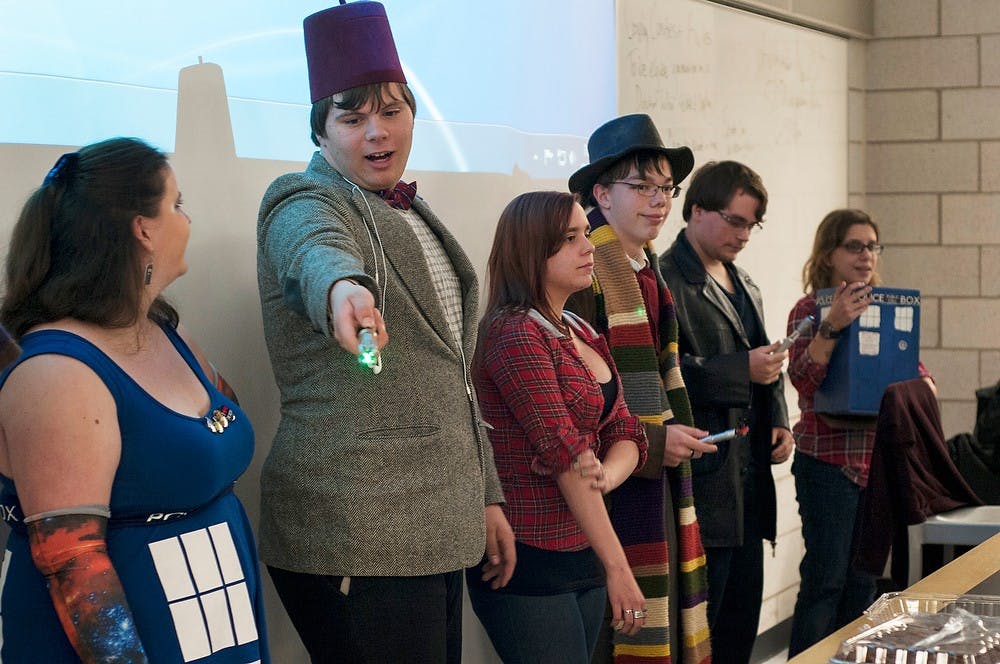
x: 619, y: 138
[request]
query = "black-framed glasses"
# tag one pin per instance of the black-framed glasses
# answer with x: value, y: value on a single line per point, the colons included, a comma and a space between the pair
x: 649, y: 190
x: 739, y: 223
x: 857, y: 246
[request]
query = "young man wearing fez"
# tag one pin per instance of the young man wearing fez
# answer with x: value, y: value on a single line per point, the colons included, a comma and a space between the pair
x: 733, y: 376
x: 630, y: 184
x: 380, y: 485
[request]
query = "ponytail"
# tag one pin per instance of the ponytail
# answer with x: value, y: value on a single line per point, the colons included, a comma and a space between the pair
x: 29, y: 257
x: 72, y: 253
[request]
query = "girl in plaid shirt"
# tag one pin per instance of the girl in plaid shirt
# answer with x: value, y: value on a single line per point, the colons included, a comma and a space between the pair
x: 562, y: 436
x: 831, y: 458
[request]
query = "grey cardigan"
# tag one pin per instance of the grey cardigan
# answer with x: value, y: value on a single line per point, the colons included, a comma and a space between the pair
x: 368, y: 475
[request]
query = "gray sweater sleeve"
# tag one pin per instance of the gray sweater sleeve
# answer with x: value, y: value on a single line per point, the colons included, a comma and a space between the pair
x: 310, y: 248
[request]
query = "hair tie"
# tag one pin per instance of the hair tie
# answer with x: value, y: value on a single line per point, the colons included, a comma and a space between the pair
x: 62, y: 169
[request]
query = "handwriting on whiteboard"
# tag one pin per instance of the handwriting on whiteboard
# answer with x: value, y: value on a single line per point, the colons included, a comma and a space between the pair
x: 725, y: 86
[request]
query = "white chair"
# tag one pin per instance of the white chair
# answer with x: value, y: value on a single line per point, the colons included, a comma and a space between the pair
x: 964, y: 526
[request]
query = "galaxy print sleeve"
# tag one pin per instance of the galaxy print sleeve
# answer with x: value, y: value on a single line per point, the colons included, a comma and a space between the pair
x: 71, y: 552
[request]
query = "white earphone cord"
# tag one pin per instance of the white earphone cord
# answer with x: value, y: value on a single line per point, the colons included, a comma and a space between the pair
x: 381, y: 249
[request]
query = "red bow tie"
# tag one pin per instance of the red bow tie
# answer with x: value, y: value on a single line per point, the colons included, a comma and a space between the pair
x: 401, y: 196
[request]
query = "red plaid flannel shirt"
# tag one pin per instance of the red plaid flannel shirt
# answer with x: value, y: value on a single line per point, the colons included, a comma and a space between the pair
x: 851, y: 449
x: 544, y: 406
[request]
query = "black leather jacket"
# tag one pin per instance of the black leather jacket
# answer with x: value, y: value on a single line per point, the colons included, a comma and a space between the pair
x: 714, y: 352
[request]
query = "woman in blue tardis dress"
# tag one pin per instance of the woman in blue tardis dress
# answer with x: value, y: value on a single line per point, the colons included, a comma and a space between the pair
x: 119, y: 442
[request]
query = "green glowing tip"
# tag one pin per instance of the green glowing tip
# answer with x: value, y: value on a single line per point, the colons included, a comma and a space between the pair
x: 368, y: 358
x: 640, y: 310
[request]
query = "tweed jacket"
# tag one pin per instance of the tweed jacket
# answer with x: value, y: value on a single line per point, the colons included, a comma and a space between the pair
x: 368, y: 475
x: 714, y: 352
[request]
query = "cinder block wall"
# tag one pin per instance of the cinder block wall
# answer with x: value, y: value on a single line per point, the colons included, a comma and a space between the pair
x: 925, y: 161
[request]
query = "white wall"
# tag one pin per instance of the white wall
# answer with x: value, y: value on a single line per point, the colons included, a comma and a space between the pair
x: 735, y: 85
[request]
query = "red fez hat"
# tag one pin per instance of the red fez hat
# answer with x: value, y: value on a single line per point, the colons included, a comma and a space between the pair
x: 349, y: 45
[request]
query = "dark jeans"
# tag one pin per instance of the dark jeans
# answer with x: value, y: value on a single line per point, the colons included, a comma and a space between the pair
x: 379, y: 619
x: 735, y: 587
x: 541, y: 628
x: 831, y: 593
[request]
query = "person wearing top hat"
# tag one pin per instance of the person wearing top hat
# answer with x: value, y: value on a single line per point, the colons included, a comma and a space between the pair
x: 630, y: 184
x: 380, y: 486
x: 733, y: 375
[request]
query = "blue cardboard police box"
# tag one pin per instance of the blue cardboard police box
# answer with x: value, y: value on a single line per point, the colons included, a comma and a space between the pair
x: 880, y: 347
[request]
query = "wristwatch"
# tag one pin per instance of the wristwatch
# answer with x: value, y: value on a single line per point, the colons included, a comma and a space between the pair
x: 827, y: 331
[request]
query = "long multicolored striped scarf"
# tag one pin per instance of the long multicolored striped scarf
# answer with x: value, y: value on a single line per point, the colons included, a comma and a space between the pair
x: 654, y: 391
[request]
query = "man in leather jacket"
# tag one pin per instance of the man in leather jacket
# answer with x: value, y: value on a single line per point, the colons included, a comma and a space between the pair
x: 733, y: 376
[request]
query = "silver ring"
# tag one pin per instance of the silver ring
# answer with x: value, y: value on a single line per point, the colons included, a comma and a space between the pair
x: 639, y: 613
x: 692, y: 453
x: 628, y: 611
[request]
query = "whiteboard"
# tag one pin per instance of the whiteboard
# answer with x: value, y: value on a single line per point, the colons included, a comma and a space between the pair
x: 734, y: 85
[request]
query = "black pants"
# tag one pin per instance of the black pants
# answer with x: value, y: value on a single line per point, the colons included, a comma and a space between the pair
x: 375, y: 619
x: 736, y: 586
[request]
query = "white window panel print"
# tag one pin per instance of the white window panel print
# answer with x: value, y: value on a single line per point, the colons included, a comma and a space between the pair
x: 205, y: 586
x: 868, y: 343
x: 871, y: 317
x: 904, y: 319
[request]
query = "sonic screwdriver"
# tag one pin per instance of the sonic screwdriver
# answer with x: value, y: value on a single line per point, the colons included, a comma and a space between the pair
x: 368, y: 352
x: 786, y: 343
x: 728, y: 434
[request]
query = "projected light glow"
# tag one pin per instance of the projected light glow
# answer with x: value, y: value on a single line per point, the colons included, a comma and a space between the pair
x: 80, y: 72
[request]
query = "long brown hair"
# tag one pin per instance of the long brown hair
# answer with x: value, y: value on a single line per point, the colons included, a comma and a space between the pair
x: 817, y: 273
x: 530, y: 230
x: 72, y: 253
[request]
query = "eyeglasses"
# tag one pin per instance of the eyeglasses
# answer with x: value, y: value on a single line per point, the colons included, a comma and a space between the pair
x: 857, y: 246
x: 649, y: 190
x: 739, y: 223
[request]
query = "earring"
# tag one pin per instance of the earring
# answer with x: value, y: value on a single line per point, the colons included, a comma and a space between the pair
x: 149, y: 273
